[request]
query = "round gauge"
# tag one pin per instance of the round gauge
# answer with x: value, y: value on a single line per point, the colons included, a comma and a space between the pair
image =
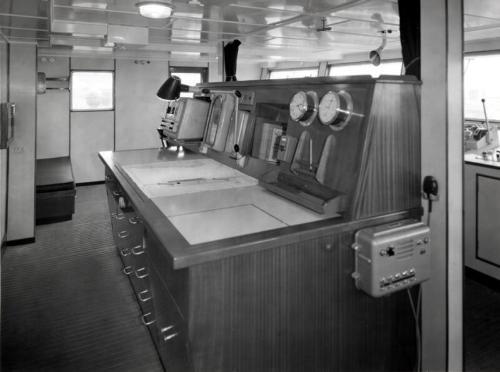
x: 304, y: 107
x: 328, y: 108
x: 335, y: 109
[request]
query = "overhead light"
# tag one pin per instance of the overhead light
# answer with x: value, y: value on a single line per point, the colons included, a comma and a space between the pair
x: 155, y: 9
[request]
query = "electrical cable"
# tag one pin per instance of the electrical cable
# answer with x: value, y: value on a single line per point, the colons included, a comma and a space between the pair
x: 416, y: 315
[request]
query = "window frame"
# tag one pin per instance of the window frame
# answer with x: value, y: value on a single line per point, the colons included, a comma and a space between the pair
x: 477, y: 54
x: 71, y: 109
x: 332, y: 65
x: 271, y: 70
x: 172, y: 70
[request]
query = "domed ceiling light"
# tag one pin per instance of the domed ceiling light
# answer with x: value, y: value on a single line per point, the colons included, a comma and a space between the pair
x: 155, y: 9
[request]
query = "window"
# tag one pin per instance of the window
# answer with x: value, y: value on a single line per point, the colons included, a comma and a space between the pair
x: 385, y: 68
x: 293, y: 73
x: 482, y: 80
x: 190, y: 76
x: 91, y: 90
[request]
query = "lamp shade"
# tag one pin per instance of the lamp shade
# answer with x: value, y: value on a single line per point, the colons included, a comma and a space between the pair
x: 171, y: 89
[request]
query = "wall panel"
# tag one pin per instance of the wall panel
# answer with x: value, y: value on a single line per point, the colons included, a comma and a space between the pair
x: 52, y: 138
x: 53, y: 111
x: 107, y: 64
x: 91, y: 132
x: 3, y: 153
x: 22, y: 91
x: 138, y: 110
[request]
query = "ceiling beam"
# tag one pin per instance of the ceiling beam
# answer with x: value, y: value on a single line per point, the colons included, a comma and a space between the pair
x: 24, y: 28
x: 482, y: 28
x: 296, y: 18
x: 309, y: 14
x: 173, y: 17
x: 22, y: 16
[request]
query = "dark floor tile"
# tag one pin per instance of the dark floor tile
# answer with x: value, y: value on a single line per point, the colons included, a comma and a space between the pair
x: 66, y: 305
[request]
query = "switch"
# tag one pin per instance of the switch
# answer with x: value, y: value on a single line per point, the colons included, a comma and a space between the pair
x: 390, y: 251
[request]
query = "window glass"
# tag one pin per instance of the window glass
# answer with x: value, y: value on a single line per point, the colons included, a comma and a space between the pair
x: 91, y: 90
x: 482, y: 80
x: 189, y: 78
x: 385, y: 68
x: 295, y: 73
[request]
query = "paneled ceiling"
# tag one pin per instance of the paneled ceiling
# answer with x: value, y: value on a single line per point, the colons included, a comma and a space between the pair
x: 288, y: 30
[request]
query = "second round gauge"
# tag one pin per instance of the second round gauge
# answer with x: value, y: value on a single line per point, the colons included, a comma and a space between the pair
x: 329, y: 106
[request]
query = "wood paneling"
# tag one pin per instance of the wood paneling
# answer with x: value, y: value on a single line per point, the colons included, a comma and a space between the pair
x: 389, y: 178
x: 295, y: 308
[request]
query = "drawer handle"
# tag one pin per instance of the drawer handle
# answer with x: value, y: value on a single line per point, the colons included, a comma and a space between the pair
x: 119, y: 216
x: 138, y: 250
x: 127, y: 270
x: 145, y: 320
x: 122, y: 203
x: 139, y: 271
x: 125, y: 252
x: 144, y: 295
x: 123, y: 234
x: 134, y: 220
x: 167, y: 328
x: 171, y: 336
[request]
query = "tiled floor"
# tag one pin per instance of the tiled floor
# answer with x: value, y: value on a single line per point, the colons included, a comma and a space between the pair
x: 66, y: 306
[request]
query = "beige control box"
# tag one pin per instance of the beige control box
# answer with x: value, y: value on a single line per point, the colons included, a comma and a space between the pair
x: 185, y: 119
x: 391, y: 257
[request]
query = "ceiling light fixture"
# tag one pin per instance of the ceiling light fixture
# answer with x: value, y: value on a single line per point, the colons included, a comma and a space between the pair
x: 155, y: 9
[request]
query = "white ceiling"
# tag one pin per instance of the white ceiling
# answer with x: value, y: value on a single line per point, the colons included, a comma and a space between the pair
x: 269, y: 30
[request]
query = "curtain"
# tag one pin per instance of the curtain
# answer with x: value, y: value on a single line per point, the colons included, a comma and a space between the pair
x: 409, y: 27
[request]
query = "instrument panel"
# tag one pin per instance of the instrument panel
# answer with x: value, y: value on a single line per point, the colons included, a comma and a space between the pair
x: 335, y: 108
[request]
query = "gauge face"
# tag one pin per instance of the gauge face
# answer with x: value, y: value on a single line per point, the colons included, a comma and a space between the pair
x: 298, y: 106
x: 328, y: 107
x: 304, y: 107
